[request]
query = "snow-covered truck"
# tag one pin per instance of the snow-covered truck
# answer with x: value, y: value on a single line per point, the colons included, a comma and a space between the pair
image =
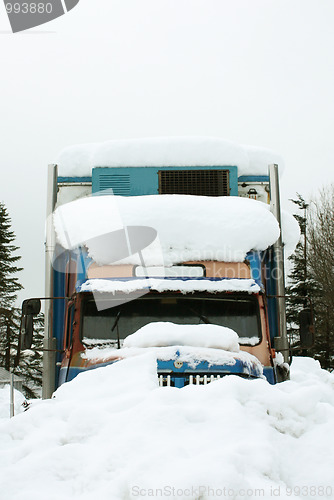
x: 172, y: 246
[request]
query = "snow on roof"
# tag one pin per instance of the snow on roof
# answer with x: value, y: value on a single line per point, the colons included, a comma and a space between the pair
x: 188, y: 227
x: 78, y: 160
x: 165, y: 333
x: 169, y: 285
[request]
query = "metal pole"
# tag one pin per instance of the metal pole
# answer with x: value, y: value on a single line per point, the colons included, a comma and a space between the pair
x: 281, y: 342
x: 49, y: 355
x: 11, y: 390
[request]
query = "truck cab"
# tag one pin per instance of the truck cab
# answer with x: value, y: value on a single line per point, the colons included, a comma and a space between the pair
x: 98, y: 305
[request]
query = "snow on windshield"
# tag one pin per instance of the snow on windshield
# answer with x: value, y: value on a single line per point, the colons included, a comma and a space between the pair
x: 162, y: 334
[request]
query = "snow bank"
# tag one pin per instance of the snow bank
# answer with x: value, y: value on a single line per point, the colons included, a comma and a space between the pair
x: 188, y: 227
x: 168, y: 285
x: 112, y: 433
x: 78, y: 160
x: 164, y: 333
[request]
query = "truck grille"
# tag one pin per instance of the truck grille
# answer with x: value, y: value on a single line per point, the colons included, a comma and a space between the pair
x: 170, y: 381
x: 194, y: 182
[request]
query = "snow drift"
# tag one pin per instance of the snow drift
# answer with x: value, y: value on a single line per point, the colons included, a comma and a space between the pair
x: 113, y: 434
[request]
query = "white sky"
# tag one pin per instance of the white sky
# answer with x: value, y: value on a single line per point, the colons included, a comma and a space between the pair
x: 259, y: 73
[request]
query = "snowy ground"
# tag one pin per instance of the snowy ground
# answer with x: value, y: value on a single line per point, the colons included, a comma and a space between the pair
x: 113, y: 434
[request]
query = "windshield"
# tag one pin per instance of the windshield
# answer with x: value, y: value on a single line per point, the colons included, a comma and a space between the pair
x: 238, y: 312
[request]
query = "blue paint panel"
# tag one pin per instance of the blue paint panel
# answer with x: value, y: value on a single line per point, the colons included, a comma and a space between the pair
x: 145, y: 180
x: 179, y: 375
x: 74, y: 179
x: 269, y: 373
x: 255, y: 261
x: 204, y: 367
x: 233, y: 180
x: 253, y: 178
x: 271, y: 289
x: 58, y: 315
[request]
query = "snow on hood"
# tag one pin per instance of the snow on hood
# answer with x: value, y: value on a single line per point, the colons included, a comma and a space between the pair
x: 185, y: 354
x: 112, y: 432
x: 78, y: 160
x: 165, y: 333
x: 188, y: 227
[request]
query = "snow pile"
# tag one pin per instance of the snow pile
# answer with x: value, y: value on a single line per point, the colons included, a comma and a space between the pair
x: 164, y: 333
x: 78, y: 160
x: 188, y: 227
x: 112, y: 433
x: 190, y: 344
x: 5, y: 402
x: 168, y: 285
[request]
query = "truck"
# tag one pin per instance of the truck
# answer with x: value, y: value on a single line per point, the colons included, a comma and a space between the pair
x: 106, y: 300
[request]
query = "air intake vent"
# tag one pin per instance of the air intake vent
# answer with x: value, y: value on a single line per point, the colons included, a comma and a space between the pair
x: 195, y: 182
x: 119, y: 183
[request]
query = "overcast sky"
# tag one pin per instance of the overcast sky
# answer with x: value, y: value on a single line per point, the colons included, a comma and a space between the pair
x: 257, y: 72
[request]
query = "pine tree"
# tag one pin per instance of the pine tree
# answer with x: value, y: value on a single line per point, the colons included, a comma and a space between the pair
x: 312, y: 276
x: 29, y: 368
x: 300, y: 286
x: 9, y: 284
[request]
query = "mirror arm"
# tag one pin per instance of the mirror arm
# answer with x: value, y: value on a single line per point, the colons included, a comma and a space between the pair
x: 18, y: 352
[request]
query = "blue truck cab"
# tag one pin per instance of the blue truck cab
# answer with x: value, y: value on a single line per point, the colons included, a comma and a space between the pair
x: 73, y: 315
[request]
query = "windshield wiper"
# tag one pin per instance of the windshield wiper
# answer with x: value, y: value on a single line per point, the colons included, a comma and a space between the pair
x: 200, y: 316
x: 118, y: 315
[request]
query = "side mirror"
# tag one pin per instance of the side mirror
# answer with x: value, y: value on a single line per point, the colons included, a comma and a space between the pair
x: 306, y: 329
x: 30, y: 308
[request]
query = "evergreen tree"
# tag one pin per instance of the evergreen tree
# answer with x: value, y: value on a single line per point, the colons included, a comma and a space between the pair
x: 300, y: 285
x: 9, y: 284
x: 29, y: 368
x: 312, y: 276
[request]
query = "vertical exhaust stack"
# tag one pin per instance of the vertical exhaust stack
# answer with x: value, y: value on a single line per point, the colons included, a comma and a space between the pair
x: 49, y: 345
x: 281, y: 342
